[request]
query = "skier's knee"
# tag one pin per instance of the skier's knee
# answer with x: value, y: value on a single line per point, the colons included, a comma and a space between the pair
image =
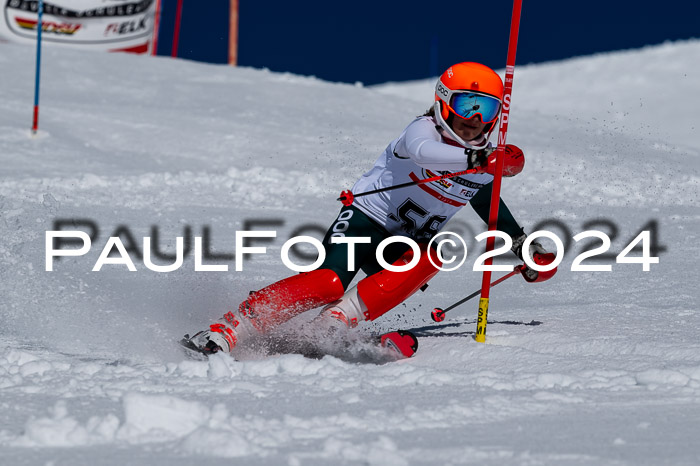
x: 385, y: 290
x: 279, y: 302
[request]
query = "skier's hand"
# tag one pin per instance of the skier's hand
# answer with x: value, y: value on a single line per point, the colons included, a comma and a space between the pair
x: 517, y: 247
x: 532, y: 275
x: 478, y: 158
x: 538, y: 254
x: 485, y: 159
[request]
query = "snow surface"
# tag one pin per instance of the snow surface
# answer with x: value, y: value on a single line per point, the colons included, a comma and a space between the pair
x: 588, y: 368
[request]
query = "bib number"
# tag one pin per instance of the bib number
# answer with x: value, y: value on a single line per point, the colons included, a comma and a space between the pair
x: 416, y: 221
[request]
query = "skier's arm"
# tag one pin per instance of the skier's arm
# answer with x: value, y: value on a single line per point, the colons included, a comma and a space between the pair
x: 481, y: 203
x: 421, y: 143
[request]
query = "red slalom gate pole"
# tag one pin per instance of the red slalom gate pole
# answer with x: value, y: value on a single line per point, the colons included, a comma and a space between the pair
x: 37, y: 73
x: 156, y: 30
x: 233, y: 33
x: 500, y: 150
x: 176, y: 32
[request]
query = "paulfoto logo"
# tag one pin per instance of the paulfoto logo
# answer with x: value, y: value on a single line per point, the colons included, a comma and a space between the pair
x: 115, y: 253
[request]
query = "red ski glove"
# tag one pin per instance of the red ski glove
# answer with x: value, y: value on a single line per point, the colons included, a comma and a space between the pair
x: 513, y: 162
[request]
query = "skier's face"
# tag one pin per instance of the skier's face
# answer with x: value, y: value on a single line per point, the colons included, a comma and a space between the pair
x: 468, y: 129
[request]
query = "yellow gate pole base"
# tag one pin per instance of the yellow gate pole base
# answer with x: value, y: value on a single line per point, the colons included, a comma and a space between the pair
x: 481, y: 321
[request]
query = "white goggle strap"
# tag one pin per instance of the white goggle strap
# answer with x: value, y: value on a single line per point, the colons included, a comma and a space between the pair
x: 443, y: 92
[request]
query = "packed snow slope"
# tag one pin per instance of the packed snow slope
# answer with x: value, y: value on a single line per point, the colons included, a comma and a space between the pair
x: 587, y: 368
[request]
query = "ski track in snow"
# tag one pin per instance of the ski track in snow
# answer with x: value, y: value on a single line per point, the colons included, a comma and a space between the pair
x: 589, y: 368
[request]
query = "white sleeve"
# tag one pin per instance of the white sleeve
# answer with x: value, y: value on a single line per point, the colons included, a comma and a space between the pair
x: 422, y: 143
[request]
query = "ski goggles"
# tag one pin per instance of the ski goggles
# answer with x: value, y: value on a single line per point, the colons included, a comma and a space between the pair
x: 467, y: 104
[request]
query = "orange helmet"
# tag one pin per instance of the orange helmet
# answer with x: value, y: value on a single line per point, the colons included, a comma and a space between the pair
x: 464, y: 91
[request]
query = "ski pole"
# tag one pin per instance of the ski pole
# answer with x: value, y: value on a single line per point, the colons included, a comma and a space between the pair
x: 438, y: 314
x: 347, y: 197
x: 512, y: 165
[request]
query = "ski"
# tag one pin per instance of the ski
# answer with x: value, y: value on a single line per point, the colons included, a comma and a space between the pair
x: 402, y: 344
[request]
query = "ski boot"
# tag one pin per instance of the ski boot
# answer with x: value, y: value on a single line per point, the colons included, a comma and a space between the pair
x: 221, y: 336
x: 339, y: 317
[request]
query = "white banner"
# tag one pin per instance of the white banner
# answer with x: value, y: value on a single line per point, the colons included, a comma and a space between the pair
x: 112, y: 25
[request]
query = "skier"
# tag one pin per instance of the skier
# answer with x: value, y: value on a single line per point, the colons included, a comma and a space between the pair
x: 453, y: 135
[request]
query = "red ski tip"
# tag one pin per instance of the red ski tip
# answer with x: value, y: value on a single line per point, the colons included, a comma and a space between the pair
x: 347, y: 197
x: 403, y: 342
